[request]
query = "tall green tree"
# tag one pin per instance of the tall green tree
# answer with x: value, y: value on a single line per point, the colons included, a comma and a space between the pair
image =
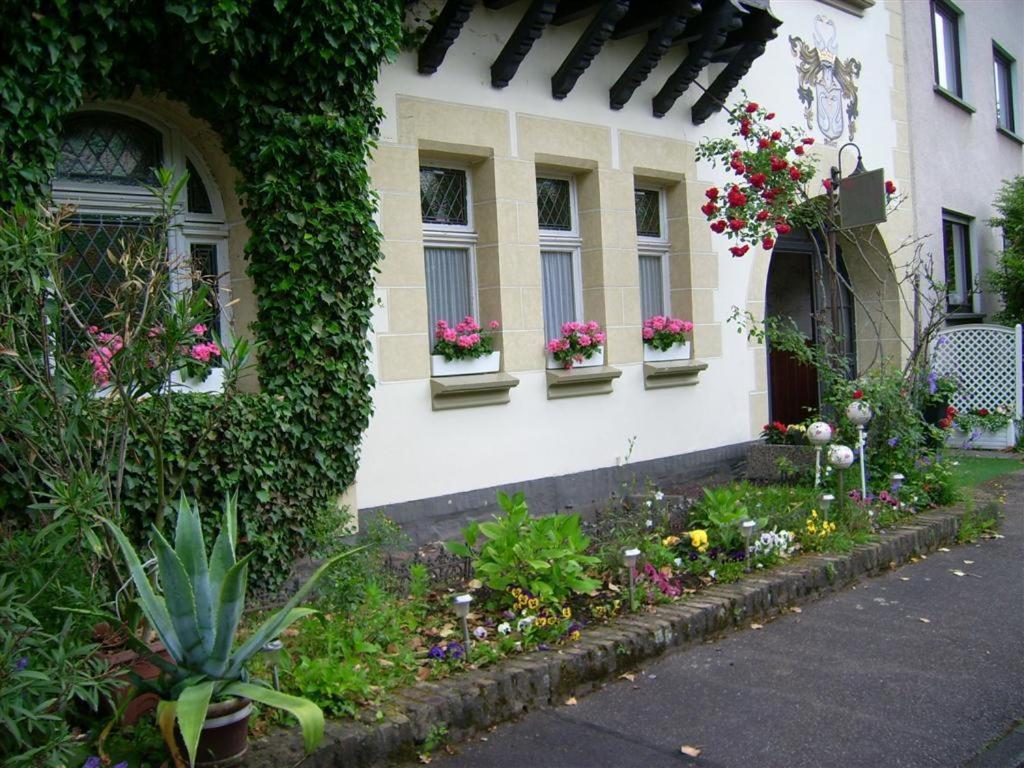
x: 1007, y: 279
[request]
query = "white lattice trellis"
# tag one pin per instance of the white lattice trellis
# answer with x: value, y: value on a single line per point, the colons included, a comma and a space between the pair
x: 986, y: 361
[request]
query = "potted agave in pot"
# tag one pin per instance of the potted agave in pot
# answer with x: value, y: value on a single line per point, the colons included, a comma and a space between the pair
x: 205, y: 691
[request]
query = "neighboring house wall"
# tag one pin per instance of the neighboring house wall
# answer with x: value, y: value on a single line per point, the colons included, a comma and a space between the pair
x: 959, y: 158
x: 425, y: 463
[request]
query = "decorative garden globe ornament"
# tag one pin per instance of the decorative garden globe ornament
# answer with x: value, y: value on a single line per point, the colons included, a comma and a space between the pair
x: 818, y: 434
x: 860, y: 414
x: 840, y: 456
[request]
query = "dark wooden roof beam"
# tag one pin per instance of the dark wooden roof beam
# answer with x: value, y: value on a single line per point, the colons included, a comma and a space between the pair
x: 651, y: 15
x: 443, y: 34
x: 658, y: 43
x: 587, y: 47
x: 573, y: 10
x: 497, y: 5
x: 762, y: 28
x: 720, y: 21
x: 526, y: 33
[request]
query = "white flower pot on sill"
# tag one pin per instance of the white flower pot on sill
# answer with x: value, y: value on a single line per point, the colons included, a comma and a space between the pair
x: 678, y: 351
x: 594, y: 361
x: 990, y: 440
x: 489, y: 363
x: 213, y: 383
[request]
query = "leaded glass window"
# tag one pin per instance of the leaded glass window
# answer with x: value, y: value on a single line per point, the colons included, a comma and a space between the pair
x: 198, y: 197
x: 91, y: 249
x: 101, y: 148
x: 444, y: 194
x: 205, y: 272
x: 648, y: 212
x: 554, y: 205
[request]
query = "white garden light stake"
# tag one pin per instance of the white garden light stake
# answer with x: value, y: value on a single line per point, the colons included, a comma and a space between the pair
x: 629, y: 557
x: 860, y: 414
x: 818, y: 434
x: 273, y: 651
x: 461, y: 603
x: 747, y: 527
x: 826, y: 504
x: 897, y: 482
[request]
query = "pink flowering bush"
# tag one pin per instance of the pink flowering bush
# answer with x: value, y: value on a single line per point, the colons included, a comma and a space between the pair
x: 579, y: 342
x: 193, y: 353
x: 466, y: 341
x: 662, y: 332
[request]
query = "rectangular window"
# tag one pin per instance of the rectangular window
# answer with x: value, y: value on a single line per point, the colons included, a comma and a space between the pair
x: 561, y: 280
x: 1003, y: 65
x: 206, y: 271
x: 448, y: 244
x: 946, y: 34
x: 652, y: 249
x: 956, y: 246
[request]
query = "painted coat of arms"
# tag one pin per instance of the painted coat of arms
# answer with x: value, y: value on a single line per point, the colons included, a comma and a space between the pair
x: 828, y: 80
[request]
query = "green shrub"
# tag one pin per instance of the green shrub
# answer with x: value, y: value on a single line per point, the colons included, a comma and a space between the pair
x: 1008, y: 278
x: 545, y: 555
x: 720, y: 512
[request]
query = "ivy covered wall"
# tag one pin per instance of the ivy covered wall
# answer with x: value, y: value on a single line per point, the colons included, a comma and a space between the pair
x: 288, y: 85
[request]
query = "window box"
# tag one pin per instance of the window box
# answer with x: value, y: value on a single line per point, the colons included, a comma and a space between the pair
x: 678, y: 351
x: 990, y: 440
x: 214, y: 383
x: 489, y: 363
x: 597, y: 359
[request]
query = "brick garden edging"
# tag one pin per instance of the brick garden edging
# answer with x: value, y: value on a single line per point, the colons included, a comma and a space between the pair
x: 478, y: 699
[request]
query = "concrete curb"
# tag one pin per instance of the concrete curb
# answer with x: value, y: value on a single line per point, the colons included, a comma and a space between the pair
x: 479, y: 699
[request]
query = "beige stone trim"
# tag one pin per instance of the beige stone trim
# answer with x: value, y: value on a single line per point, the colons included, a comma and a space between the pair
x: 580, y: 382
x: 449, y: 392
x: 672, y: 373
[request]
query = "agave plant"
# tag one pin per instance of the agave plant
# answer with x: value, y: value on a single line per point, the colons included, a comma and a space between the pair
x: 197, y: 617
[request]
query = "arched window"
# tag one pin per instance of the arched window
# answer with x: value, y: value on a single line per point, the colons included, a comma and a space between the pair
x: 105, y: 170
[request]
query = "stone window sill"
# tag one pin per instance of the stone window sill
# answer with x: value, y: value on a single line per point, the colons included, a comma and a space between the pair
x: 448, y: 392
x: 672, y: 373
x: 952, y: 98
x: 579, y: 382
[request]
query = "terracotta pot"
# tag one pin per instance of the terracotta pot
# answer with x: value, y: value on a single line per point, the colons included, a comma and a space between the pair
x: 132, y: 663
x: 224, y: 740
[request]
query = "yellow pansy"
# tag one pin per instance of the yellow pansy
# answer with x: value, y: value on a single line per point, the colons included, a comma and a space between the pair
x: 534, y: 603
x: 670, y: 541
x: 567, y: 613
x: 699, y: 540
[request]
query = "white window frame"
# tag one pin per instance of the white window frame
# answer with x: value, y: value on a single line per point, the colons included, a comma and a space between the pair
x: 122, y: 200
x: 462, y: 236
x: 657, y: 246
x: 563, y: 241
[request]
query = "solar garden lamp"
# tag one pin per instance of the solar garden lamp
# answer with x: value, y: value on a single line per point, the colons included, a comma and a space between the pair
x: 897, y: 479
x: 859, y: 413
x: 840, y: 457
x: 461, y: 605
x: 747, y: 527
x: 826, y: 504
x: 273, y: 651
x: 629, y: 557
x: 818, y: 435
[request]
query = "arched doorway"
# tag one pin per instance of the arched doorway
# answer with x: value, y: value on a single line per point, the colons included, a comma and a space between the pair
x: 797, y: 289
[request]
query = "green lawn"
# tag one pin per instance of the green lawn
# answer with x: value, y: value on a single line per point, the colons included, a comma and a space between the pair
x: 974, y: 470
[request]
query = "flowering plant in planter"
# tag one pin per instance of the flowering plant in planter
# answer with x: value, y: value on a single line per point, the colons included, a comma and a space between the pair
x: 466, y: 341
x: 777, y: 433
x: 982, y: 418
x: 662, y: 332
x: 579, y: 342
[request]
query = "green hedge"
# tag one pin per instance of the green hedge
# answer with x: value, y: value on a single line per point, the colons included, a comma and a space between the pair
x: 288, y: 85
